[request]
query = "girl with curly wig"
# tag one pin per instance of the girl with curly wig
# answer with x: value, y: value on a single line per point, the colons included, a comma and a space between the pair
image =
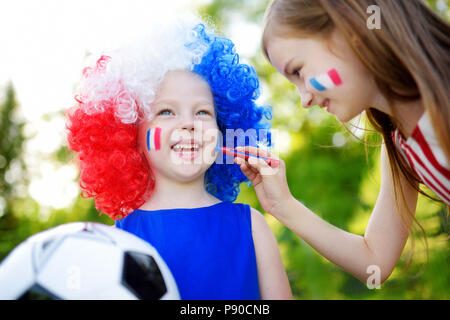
x: 146, y: 126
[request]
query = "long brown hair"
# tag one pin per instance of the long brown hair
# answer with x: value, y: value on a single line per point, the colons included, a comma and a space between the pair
x: 409, y: 57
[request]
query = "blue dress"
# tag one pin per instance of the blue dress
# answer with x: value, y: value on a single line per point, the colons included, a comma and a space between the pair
x: 209, y: 250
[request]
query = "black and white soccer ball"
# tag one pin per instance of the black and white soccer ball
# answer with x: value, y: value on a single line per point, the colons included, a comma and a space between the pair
x: 85, y: 260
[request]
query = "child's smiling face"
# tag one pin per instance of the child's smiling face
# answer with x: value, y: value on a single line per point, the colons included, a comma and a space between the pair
x: 304, y: 60
x: 184, y: 110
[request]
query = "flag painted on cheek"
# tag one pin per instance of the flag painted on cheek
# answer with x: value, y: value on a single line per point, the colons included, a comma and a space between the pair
x: 154, y: 139
x: 326, y: 81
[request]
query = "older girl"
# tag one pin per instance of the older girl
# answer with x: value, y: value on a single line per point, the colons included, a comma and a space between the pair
x: 399, y: 75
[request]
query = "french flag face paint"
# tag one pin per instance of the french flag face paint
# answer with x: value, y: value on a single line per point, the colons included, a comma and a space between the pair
x: 154, y: 139
x: 326, y: 81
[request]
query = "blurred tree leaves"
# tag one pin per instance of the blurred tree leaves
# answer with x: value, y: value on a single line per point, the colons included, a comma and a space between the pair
x: 20, y: 215
x: 12, y: 167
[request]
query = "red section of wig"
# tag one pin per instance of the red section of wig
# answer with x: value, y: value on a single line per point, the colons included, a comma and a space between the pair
x: 113, y: 171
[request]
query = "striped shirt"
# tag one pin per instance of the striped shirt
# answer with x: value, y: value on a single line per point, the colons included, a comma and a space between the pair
x: 425, y: 156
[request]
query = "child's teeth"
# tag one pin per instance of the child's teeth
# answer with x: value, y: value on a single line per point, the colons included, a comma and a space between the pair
x: 187, y: 147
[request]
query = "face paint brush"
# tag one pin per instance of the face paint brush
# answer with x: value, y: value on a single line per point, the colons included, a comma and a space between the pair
x: 274, y: 163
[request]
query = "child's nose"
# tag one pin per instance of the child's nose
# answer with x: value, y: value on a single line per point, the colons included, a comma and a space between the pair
x: 306, y: 99
x: 188, y: 123
x: 305, y: 95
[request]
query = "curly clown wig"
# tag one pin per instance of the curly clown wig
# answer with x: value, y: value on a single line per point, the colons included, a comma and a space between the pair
x: 116, y: 93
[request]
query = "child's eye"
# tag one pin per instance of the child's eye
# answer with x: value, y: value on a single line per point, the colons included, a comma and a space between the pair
x: 165, y: 112
x: 204, y: 112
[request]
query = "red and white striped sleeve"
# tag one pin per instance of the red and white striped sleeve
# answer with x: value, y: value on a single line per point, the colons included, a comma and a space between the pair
x: 426, y: 157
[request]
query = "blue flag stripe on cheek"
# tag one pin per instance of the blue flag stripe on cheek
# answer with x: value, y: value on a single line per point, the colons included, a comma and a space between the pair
x: 317, y: 85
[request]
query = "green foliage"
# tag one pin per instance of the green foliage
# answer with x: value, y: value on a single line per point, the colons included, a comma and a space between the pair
x: 11, y: 143
x: 20, y: 215
x: 12, y: 169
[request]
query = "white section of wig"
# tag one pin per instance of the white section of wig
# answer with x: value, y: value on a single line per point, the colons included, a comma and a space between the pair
x: 135, y: 70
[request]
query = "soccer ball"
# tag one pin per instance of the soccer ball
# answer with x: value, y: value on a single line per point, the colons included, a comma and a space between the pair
x: 85, y: 260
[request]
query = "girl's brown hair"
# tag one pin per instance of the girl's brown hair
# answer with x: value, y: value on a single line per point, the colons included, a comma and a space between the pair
x: 409, y: 57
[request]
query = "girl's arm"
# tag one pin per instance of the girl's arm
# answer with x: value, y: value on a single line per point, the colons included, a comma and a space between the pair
x: 382, y: 243
x: 273, y: 281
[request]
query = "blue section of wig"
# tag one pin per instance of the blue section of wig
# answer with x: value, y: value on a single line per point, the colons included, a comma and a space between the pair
x: 235, y: 88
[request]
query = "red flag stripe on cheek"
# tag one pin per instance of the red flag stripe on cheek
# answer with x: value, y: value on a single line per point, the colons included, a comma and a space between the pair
x: 334, y: 75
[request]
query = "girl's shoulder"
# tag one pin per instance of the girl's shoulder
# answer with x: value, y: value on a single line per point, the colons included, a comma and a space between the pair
x: 251, y: 216
x: 253, y: 213
x: 422, y: 144
x: 239, y: 212
x: 425, y: 156
x: 259, y: 223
